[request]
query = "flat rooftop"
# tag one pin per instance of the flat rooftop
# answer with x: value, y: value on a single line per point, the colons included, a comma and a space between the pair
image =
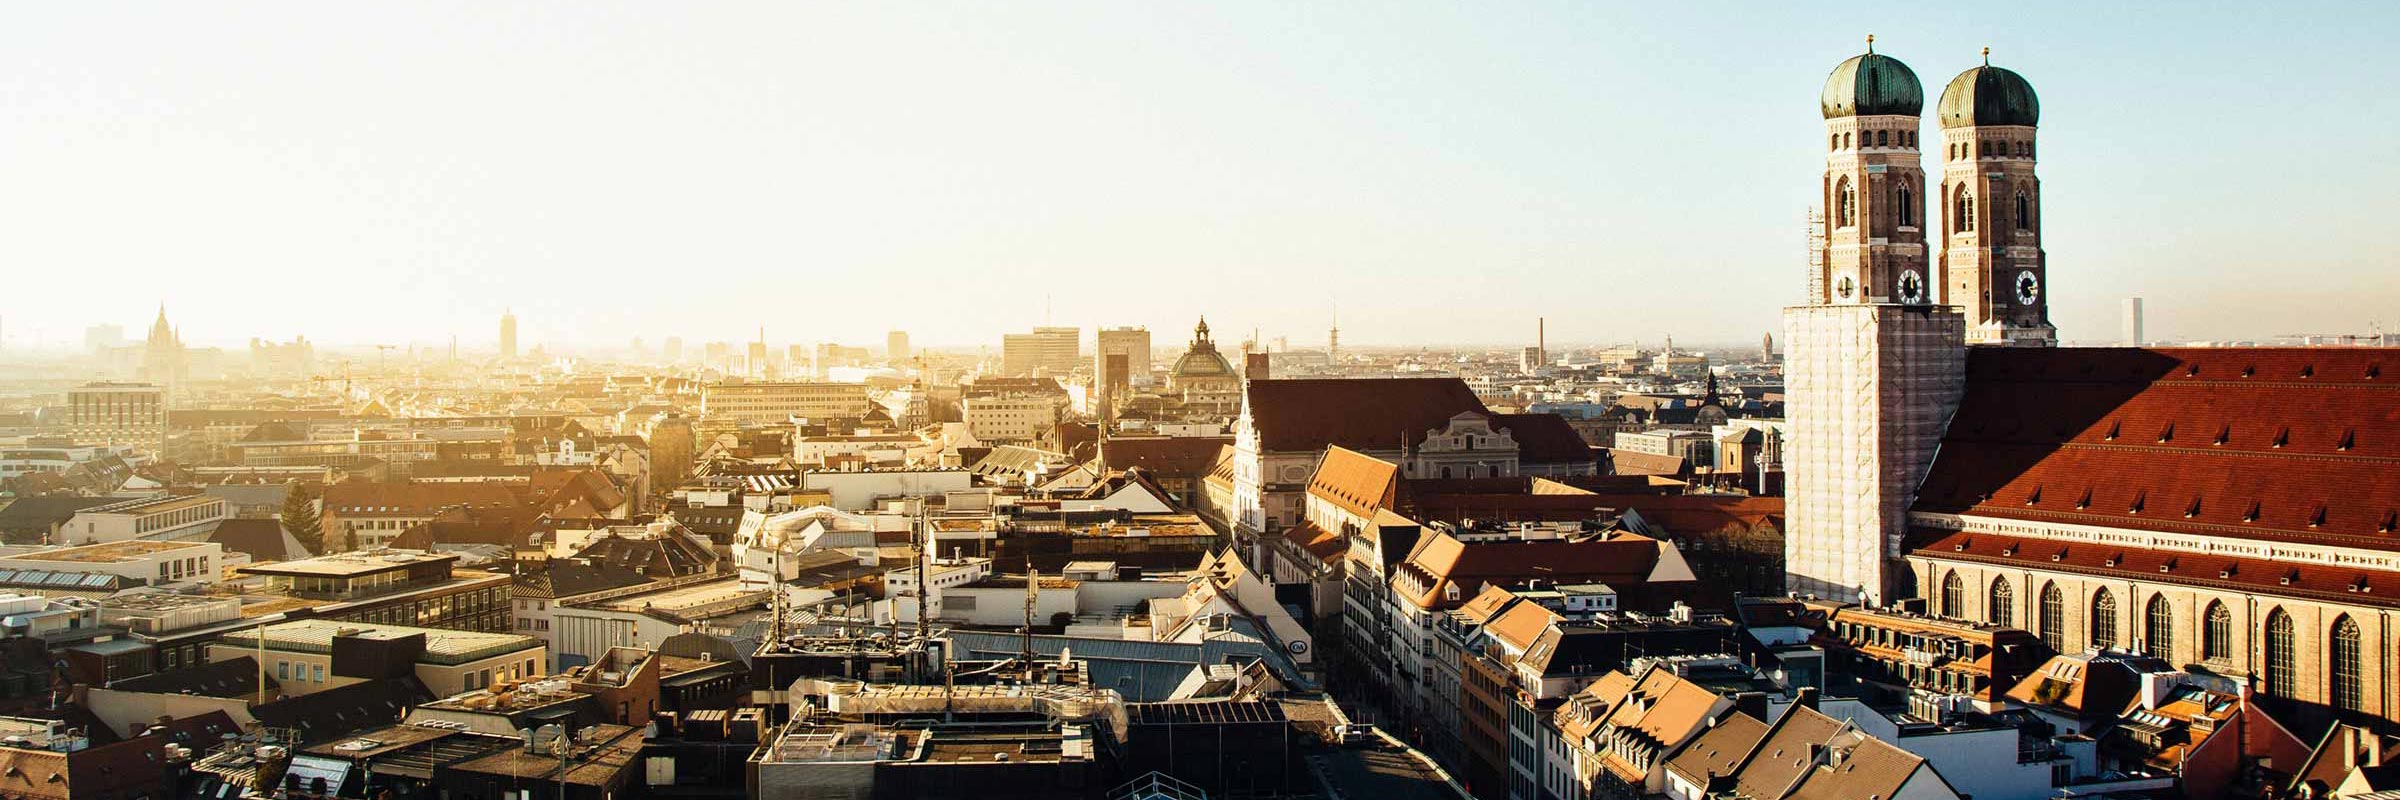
x: 348, y: 564
x: 105, y: 553
x: 441, y: 646
x: 162, y: 601
x: 154, y: 505
x: 679, y: 597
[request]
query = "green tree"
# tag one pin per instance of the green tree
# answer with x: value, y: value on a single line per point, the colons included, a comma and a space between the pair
x: 300, y: 517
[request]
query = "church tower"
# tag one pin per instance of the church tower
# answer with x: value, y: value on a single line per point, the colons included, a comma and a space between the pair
x: 1873, y: 365
x: 1991, y: 207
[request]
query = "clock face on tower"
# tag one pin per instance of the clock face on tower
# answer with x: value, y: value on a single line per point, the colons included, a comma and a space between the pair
x: 1910, y: 288
x: 2029, y: 288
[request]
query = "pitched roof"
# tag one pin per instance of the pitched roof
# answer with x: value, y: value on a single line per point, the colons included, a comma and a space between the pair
x: 1869, y: 768
x: 262, y: 539
x: 343, y: 710
x: 1546, y: 438
x: 1324, y: 545
x: 395, y: 499
x: 1441, y: 560
x: 2332, y: 583
x: 1715, y: 751
x: 1305, y: 415
x: 231, y: 677
x: 2274, y: 444
x: 1170, y: 457
x: 1355, y: 481
x: 1784, y: 754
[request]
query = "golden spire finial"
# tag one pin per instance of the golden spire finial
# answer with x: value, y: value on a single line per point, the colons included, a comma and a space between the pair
x: 1987, y: 55
x: 1870, y: 43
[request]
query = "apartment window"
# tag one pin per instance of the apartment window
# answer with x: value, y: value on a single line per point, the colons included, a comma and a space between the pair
x: 283, y: 670
x: 317, y: 671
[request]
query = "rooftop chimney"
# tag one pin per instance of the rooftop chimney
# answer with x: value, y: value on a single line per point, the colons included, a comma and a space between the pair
x: 1807, y: 698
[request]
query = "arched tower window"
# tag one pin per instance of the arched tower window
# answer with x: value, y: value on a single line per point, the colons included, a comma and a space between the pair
x: 2104, y: 619
x: 1845, y: 141
x: 1833, y: 141
x: 2003, y: 607
x: 2053, y: 618
x: 2024, y: 211
x: 2282, y: 668
x: 2345, y: 666
x: 2158, y: 627
x: 1845, y: 204
x: 1964, y: 212
x: 1954, y: 596
x: 1908, y: 215
x: 1883, y: 138
x: 2216, y: 635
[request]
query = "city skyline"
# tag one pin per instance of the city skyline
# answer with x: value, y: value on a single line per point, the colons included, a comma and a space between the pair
x: 1576, y: 163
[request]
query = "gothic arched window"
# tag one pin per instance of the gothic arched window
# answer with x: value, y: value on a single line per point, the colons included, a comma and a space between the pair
x: 2024, y: 211
x: 2002, y: 610
x: 1908, y: 214
x: 1954, y: 596
x: 1962, y: 212
x: 1833, y: 141
x: 2158, y: 628
x: 2345, y: 666
x: 1883, y: 138
x: 2216, y: 635
x: 1845, y: 204
x: 2104, y: 619
x: 2282, y: 668
x: 2053, y: 618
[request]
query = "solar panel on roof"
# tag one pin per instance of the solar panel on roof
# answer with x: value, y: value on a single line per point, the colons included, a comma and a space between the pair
x: 96, y: 580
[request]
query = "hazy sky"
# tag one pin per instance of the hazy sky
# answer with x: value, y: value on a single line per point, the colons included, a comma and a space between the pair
x: 1442, y: 171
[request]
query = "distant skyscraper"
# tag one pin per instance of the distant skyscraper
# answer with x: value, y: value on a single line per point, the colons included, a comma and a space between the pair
x: 2133, y: 322
x: 895, y: 345
x: 674, y: 349
x: 508, y: 335
x: 1048, y: 350
x: 757, y: 366
x: 1133, y: 344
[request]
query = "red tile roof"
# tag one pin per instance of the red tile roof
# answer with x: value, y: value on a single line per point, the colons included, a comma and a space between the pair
x: 1359, y: 483
x: 2334, y: 584
x: 1358, y: 413
x: 1168, y: 456
x: 2281, y: 444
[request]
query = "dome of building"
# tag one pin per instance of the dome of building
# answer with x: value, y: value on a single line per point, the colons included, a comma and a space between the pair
x: 1870, y: 85
x: 1202, y: 360
x: 1989, y: 95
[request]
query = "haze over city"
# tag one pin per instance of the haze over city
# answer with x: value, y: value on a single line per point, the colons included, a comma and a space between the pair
x: 1240, y: 401
x: 614, y: 170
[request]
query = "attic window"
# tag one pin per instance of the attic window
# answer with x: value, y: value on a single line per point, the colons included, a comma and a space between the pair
x: 2290, y: 577
x: 2283, y: 436
x: 2359, y: 584
x: 2192, y: 371
x: 2308, y: 370
x: 2349, y: 440
x: 2391, y: 520
x: 2167, y: 565
x: 2374, y: 371
x: 2061, y: 555
x: 2192, y: 510
x: 2112, y: 432
x: 2086, y: 502
x: 2140, y: 499
x: 2248, y: 371
x: 2035, y: 497
x: 2114, y: 559
x: 2252, y: 514
x: 2316, y: 518
x: 2229, y: 571
x: 2167, y: 435
x: 2223, y: 434
x: 2010, y: 550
